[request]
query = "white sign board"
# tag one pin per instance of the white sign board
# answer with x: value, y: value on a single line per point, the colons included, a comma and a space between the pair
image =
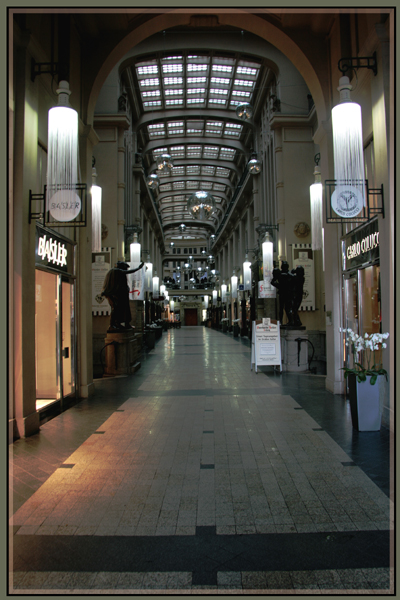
x: 136, y: 283
x: 266, y: 344
x: 265, y: 289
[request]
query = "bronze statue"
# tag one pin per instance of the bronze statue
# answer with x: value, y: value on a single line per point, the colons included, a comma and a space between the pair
x: 116, y: 290
x: 290, y: 290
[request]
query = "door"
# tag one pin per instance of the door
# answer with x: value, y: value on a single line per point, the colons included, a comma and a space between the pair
x: 68, y: 338
x: 46, y: 339
x: 190, y: 316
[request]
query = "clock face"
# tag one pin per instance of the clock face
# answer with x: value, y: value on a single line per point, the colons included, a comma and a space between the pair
x: 347, y: 201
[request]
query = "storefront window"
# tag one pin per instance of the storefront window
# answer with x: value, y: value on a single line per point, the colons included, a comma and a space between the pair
x: 47, y: 388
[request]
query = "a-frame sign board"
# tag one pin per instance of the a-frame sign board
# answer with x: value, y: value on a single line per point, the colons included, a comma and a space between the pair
x: 266, y: 344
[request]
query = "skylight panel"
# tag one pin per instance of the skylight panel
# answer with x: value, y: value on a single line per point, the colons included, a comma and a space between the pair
x: 227, y: 153
x: 177, y: 151
x: 165, y: 187
x: 174, y: 102
x: 179, y: 185
x: 173, y: 92
x: 214, y: 132
x: 173, y: 80
x: 149, y: 69
x: 206, y: 185
x: 193, y: 170
x: 214, y: 123
x: 222, y: 172
x: 246, y: 71
x: 158, y: 151
x: 151, y: 94
x: 217, y: 101
x: 157, y: 133
x: 196, y: 80
x: 234, y: 126
x: 193, y: 148
x: 220, y: 80
x: 166, y: 58
x: 219, y: 91
x: 218, y: 187
x: 196, y: 91
x: 176, y: 171
x: 222, y: 68
x: 193, y: 68
x: 194, y: 131
x: 152, y: 103
x: 192, y: 185
x: 241, y: 93
x: 207, y: 170
x: 231, y: 133
x: 174, y: 68
x: 196, y: 100
x: 176, y: 131
x: 149, y: 82
x: 171, y: 124
x: 244, y: 82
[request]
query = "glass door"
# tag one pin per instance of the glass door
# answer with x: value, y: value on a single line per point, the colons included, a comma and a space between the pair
x: 68, y: 338
x: 46, y: 339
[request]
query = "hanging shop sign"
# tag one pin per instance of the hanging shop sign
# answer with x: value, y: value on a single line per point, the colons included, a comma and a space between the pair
x: 347, y: 201
x: 54, y: 251
x: 265, y: 289
x: 265, y: 344
x: 361, y: 246
x: 136, y: 283
x: 302, y: 256
x: 101, y: 264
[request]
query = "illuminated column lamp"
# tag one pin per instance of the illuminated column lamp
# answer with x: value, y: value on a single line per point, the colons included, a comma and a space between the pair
x: 247, y: 274
x: 234, y: 286
x: 348, y: 141
x: 268, y: 259
x: 135, y: 249
x: 96, y: 213
x: 206, y: 301
x: 171, y: 306
x: 214, y: 297
x: 316, y: 210
x: 223, y: 292
x: 156, y: 289
x: 148, y: 277
x: 162, y: 290
x: 62, y: 158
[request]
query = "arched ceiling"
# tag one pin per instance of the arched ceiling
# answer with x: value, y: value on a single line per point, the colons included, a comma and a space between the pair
x: 184, y: 104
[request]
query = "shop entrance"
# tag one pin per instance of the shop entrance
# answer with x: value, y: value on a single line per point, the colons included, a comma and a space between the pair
x: 190, y: 316
x: 54, y: 338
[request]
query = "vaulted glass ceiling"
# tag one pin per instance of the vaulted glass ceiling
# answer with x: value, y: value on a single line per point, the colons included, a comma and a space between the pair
x: 185, y: 105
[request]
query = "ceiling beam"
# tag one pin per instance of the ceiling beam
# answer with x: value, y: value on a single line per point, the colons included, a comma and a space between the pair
x: 196, y: 141
x: 157, y: 116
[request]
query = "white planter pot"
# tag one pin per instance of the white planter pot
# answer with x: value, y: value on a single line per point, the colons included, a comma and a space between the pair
x: 365, y: 403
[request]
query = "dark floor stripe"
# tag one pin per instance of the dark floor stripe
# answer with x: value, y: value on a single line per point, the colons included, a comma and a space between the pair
x: 208, y: 431
x: 203, y: 554
x: 349, y: 464
x: 99, y: 432
x: 207, y: 466
x: 66, y: 466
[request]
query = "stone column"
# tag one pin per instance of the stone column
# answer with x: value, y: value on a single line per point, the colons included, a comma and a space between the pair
x: 121, y: 197
x: 280, y: 196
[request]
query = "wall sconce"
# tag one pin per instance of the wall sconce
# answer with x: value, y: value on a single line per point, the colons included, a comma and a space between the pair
x: 316, y: 207
x: 96, y: 193
x: 247, y: 274
x: 62, y: 159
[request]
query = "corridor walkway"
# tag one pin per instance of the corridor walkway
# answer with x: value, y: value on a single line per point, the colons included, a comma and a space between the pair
x: 196, y: 474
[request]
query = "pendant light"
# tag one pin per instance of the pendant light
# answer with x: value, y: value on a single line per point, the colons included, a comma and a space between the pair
x: 96, y: 193
x: 156, y: 283
x: 234, y: 286
x: 135, y: 252
x: 268, y: 258
x: 348, y: 150
x: 148, y: 277
x: 244, y: 111
x: 214, y: 297
x: 316, y: 209
x: 247, y: 274
x: 62, y: 159
x: 254, y: 165
x: 153, y: 181
x: 223, y: 292
x: 201, y: 205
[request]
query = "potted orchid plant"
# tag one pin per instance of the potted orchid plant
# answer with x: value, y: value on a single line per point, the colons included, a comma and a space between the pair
x: 364, y: 394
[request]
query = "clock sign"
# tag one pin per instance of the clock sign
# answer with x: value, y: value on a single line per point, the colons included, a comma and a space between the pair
x: 347, y: 201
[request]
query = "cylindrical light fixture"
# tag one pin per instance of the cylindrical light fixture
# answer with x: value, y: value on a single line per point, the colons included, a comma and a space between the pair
x: 96, y: 213
x: 348, y: 154
x: 214, y: 297
x: 206, y: 301
x: 223, y: 292
x: 234, y: 286
x: 171, y: 305
x: 268, y: 258
x: 316, y: 210
x: 247, y: 274
x: 162, y: 290
x: 148, y: 277
x: 156, y: 289
x: 62, y: 158
x: 135, y: 251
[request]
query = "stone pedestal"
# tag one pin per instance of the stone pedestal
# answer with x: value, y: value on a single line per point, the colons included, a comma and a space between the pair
x: 121, y: 353
x: 294, y: 353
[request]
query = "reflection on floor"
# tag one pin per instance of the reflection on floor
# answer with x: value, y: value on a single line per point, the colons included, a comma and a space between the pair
x: 197, y: 474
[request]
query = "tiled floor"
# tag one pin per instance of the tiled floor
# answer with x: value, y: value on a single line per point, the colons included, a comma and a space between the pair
x: 198, y: 474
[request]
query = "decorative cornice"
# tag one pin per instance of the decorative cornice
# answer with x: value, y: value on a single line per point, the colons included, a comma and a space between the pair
x: 119, y: 120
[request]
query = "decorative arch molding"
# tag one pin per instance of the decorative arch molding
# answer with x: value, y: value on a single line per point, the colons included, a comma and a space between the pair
x: 240, y: 19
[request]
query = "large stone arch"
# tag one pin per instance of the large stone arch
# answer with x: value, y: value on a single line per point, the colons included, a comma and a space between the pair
x: 235, y: 18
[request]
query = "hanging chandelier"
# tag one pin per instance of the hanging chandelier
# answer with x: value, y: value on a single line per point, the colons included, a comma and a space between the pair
x: 244, y: 111
x: 316, y: 208
x: 96, y: 192
x: 164, y: 162
x: 201, y: 205
x: 254, y: 165
x: 153, y: 181
x: 182, y: 227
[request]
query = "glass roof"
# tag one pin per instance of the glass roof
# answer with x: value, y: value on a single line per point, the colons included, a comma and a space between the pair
x: 203, y: 135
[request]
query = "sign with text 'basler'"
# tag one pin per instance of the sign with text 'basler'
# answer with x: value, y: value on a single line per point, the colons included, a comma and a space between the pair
x: 54, y: 251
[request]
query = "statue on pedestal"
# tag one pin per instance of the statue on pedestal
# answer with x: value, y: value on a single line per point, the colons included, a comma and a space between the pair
x: 116, y: 290
x: 290, y: 291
